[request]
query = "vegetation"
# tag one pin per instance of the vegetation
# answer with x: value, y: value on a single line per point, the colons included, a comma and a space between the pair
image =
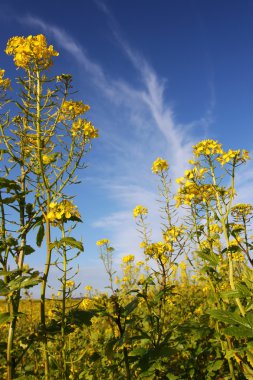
x: 184, y: 312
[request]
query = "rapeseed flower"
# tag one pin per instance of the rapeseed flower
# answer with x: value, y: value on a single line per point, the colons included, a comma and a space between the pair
x: 31, y: 51
x: 140, y: 211
x: 102, y: 242
x: 159, y: 165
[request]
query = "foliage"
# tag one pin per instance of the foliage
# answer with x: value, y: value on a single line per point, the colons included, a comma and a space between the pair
x: 182, y: 312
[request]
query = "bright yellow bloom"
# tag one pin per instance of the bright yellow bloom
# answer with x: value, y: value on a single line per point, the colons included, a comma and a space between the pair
x: 61, y: 211
x: 140, y: 211
x: 87, y: 304
x: 48, y: 159
x: 173, y: 233
x: 207, y: 147
x: 158, y: 251
x: 31, y: 51
x: 71, y: 109
x: 70, y: 284
x: 215, y: 228
x: 88, y: 288
x: 236, y: 156
x: 242, y: 210
x: 128, y: 259
x: 102, y: 242
x: 4, y: 83
x: 159, y: 165
x: 82, y: 127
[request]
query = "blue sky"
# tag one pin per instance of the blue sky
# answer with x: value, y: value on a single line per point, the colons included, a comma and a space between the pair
x: 159, y: 76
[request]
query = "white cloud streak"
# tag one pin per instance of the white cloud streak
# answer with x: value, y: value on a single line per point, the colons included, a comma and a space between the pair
x: 147, y: 106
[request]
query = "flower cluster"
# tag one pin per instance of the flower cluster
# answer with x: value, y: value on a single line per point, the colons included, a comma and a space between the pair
x: 102, y: 242
x: 236, y: 156
x: 207, y: 147
x: 140, y: 211
x: 242, y: 211
x: 71, y: 109
x: 4, y: 83
x: 61, y: 211
x: 215, y: 228
x: 48, y: 158
x: 128, y: 259
x: 238, y: 257
x: 85, y: 128
x: 31, y: 51
x: 87, y: 304
x: 158, y: 251
x: 173, y: 233
x: 159, y: 165
x: 70, y: 284
x: 191, y: 192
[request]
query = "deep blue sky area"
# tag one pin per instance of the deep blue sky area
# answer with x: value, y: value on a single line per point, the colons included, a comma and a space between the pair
x: 159, y: 75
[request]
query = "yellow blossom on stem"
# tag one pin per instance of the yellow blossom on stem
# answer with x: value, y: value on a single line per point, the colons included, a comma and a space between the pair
x: 102, y: 242
x: 61, y: 211
x: 159, y: 165
x: 128, y: 259
x: 70, y: 284
x: 82, y: 127
x: 31, y: 51
x: 207, y: 147
x: 4, y: 83
x: 242, y: 210
x: 140, y: 211
x: 71, y: 109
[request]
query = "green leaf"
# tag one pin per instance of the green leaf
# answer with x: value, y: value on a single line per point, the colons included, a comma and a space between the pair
x: 9, y: 184
x: 4, y: 318
x: 40, y: 235
x: 28, y: 249
x: 72, y: 242
x: 24, y: 282
x: 229, y: 317
x: 170, y: 376
x: 250, y: 357
x: 230, y: 294
x: 81, y: 317
x: 130, y: 307
x: 217, y: 365
x: 243, y: 290
x: 209, y: 257
x: 4, y: 290
x: 139, y: 351
x: 239, y: 332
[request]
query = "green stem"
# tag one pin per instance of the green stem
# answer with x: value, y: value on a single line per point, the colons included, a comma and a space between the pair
x: 63, y: 317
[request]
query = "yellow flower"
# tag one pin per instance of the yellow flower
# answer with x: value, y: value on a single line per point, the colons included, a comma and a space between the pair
x: 159, y: 165
x: 242, y: 211
x: 207, y: 147
x: 87, y: 304
x: 4, y: 83
x: 236, y: 156
x: 82, y: 127
x: 31, y: 51
x: 88, y: 288
x: 47, y: 159
x: 61, y: 211
x: 102, y: 242
x: 140, y: 211
x: 128, y: 259
x: 71, y: 109
x: 173, y: 233
x: 70, y: 284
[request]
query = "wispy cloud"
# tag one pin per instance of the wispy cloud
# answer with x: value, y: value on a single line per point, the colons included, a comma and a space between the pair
x: 152, y: 130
